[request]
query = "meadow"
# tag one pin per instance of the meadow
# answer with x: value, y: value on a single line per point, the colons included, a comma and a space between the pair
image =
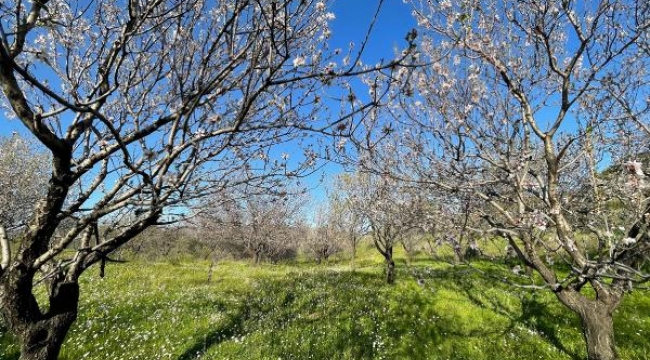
x: 169, y: 310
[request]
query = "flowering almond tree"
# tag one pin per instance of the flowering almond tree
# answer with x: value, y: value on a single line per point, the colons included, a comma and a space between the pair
x: 389, y: 210
x: 23, y: 172
x: 145, y: 106
x: 261, y: 226
x: 347, y: 222
x: 540, y: 110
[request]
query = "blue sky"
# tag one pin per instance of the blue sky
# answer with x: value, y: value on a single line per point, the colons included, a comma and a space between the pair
x: 351, y: 24
x: 353, y: 18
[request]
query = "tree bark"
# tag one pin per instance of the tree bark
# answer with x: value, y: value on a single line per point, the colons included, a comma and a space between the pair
x: 598, y: 331
x: 43, y: 340
x: 40, y: 334
x: 354, y: 257
x: 390, y: 270
x: 458, y: 252
x: 390, y: 267
x: 597, y: 320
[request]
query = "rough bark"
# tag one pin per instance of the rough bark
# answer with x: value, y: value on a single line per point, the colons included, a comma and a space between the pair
x: 597, y: 321
x: 598, y: 331
x: 390, y: 267
x: 39, y: 333
x: 43, y: 340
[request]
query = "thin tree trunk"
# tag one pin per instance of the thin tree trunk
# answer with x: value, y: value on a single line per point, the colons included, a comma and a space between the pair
x: 354, y: 257
x: 458, y: 251
x: 390, y: 270
x: 210, y: 271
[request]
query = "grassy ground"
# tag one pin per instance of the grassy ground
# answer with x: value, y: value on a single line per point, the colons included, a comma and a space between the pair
x: 300, y: 311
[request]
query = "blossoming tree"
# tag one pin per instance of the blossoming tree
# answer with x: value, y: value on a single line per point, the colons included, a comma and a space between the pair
x: 23, y: 171
x: 540, y: 110
x: 389, y: 210
x: 145, y: 106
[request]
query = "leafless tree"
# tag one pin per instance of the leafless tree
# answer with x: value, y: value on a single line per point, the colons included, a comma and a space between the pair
x: 172, y: 243
x: 523, y: 106
x: 452, y: 221
x: 145, y: 106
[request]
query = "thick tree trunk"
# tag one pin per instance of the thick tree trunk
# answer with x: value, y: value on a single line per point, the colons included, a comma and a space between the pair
x: 39, y: 334
x: 43, y: 340
x: 598, y: 331
x: 597, y: 320
x: 390, y: 271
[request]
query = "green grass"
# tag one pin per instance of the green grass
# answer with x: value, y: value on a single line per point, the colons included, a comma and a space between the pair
x: 300, y: 311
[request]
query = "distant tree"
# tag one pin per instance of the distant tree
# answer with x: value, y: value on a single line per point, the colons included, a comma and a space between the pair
x: 145, y: 106
x: 324, y: 238
x: 522, y: 106
x: 349, y: 223
x: 389, y: 210
x: 24, y: 171
x: 257, y: 226
x: 160, y: 243
x: 453, y: 221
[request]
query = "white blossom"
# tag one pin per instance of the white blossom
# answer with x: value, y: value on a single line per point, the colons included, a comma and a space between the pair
x: 299, y: 61
x: 628, y: 241
x: 635, y: 168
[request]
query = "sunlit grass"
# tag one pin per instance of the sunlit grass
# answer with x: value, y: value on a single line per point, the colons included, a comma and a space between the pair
x: 301, y: 311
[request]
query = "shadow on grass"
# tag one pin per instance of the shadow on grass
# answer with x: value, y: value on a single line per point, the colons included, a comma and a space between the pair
x: 533, y: 314
x: 238, y: 321
x: 300, y: 306
x: 536, y: 315
x: 356, y: 315
x: 231, y: 328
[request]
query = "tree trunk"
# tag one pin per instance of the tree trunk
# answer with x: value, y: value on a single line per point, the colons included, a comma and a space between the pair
x: 409, y: 254
x: 354, y: 257
x: 39, y: 334
x: 390, y: 264
x: 598, y: 331
x: 210, y: 271
x: 458, y: 249
x: 43, y: 340
x: 390, y: 270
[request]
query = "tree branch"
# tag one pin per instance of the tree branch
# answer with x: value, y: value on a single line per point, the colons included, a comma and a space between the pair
x: 5, y: 249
